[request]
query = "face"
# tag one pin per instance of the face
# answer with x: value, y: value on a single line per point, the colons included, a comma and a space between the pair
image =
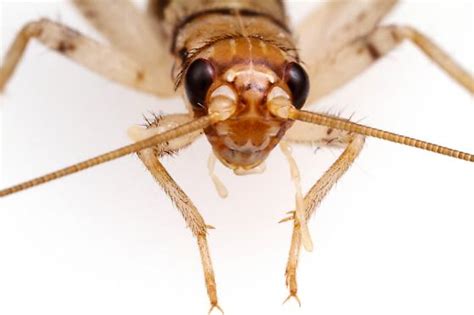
x: 244, y: 76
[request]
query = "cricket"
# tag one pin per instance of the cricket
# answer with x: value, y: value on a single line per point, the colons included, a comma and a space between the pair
x: 247, y: 77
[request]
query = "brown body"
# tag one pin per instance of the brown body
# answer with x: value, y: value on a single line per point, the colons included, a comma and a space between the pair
x: 241, y: 76
x: 249, y: 45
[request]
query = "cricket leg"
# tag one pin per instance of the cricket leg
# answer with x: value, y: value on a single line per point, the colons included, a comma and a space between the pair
x: 102, y: 60
x: 435, y: 53
x: 150, y: 157
x: 139, y: 37
x: 190, y: 214
x: 338, y: 68
x: 331, y: 27
x: 159, y: 124
x: 311, y: 201
x: 335, y: 24
x: 317, y: 136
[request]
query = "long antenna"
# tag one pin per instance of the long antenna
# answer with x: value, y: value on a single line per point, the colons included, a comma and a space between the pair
x: 343, y: 124
x: 280, y: 110
x: 184, y: 129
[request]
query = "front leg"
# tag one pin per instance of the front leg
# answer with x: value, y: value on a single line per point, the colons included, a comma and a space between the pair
x: 312, y: 199
x: 188, y: 210
x: 190, y: 214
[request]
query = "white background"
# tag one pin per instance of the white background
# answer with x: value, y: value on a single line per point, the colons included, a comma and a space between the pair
x: 395, y: 236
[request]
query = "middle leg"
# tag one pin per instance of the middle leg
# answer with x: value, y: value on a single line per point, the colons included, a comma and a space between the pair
x: 313, y: 198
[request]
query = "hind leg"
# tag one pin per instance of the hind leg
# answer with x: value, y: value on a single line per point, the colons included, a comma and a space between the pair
x: 351, y: 60
x: 138, y: 38
x: 105, y: 61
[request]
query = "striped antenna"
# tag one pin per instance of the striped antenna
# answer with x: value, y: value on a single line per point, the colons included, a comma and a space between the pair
x: 343, y: 124
x: 177, y: 132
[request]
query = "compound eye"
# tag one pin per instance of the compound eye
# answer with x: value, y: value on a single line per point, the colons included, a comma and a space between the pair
x: 298, y: 83
x: 199, y: 78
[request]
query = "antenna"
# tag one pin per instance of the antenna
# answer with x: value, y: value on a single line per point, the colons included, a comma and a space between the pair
x: 177, y: 132
x: 343, y: 124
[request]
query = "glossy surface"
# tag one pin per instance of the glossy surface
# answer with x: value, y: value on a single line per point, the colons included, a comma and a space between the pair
x: 394, y: 237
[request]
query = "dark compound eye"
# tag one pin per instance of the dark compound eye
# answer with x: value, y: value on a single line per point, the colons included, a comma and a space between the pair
x: 199, y: 78
x: 298, y: 82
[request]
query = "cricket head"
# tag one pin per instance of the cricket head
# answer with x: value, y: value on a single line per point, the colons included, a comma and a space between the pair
x: 242, y: 78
